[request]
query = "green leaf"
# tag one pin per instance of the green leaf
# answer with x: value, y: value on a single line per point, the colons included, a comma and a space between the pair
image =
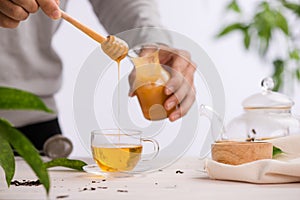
x: 276, y: 151
x: 64, y: 162
x: 298, y: 74
x: 247, y: 39
x: 265, y: 21
x: 277, y: 74
x: 281, y: 22
x: 279, y: 67
x: 295, y: 8
x: 294, y: 54
x: 6, y: 122
x: 230, y: 28
x: 263, y: 24
x: 7, y: 160
x: 26, y: 150
x: 17, y: 99
x: 233, y: 5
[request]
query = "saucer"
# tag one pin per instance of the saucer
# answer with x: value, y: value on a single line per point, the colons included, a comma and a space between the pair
x: 94, y: 169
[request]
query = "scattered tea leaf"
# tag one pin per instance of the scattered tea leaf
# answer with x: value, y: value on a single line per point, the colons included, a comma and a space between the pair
x: 65, y: 162
x: 122, y: 191
x: 26, y: 183
x: 62, y: 196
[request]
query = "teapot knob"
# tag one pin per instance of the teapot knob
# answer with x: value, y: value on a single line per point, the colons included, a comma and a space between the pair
x: 267, y: 84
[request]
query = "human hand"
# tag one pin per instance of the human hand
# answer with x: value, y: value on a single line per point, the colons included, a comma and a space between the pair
x: 180, y: 86
x: 12, y: 12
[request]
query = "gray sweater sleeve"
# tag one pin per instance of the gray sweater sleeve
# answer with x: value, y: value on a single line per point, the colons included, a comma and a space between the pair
x: 120, y: 17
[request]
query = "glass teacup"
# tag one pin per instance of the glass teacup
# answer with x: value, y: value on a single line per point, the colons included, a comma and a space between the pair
x: 121, y: 150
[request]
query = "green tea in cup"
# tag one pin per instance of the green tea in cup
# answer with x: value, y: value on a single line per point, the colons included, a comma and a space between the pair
x: 117, y: 150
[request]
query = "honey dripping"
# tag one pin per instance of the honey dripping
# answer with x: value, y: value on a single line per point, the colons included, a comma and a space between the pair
x: 118, y: 60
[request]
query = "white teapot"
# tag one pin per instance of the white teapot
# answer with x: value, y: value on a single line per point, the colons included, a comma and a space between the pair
x: 267, y: 115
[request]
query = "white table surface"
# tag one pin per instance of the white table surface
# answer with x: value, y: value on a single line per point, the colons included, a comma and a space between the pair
x: 165, y: 184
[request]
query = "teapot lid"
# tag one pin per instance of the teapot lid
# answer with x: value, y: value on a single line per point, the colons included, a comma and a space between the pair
x: 268, y: 99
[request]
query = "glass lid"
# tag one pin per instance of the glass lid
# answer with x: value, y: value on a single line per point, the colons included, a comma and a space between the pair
x: 268, y: 99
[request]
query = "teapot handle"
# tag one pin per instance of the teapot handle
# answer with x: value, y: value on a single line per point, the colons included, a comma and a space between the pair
x: 216, y: 120
x: 216, y: 131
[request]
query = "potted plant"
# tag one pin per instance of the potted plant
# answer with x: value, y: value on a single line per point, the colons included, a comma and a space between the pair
x: 14, y: 99
x: 271, y: 21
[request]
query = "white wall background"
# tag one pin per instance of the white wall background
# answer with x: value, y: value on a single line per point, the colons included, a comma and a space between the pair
x: 241, y: 71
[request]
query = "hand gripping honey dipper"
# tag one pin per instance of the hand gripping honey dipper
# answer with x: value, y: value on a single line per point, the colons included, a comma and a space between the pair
x: 113, y: 46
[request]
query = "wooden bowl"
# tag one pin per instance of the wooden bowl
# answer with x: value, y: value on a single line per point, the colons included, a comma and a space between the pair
x: 236, y: 153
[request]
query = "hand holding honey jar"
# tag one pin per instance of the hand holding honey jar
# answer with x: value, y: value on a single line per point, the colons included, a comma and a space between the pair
x: 162, y: 80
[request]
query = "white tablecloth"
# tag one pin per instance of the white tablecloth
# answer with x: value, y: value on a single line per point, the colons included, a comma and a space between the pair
x: 285, y: 168
x: 165, y: 184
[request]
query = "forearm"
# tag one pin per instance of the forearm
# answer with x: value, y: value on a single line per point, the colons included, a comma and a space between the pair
x: 122, y: 15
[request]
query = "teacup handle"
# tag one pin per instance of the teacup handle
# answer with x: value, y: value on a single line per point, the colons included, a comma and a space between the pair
x: 156, y: 148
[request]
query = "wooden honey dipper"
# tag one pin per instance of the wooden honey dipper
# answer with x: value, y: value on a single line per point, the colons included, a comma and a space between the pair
x: 113, y: 46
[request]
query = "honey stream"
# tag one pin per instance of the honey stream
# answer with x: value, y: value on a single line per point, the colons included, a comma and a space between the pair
x: 118, y: 88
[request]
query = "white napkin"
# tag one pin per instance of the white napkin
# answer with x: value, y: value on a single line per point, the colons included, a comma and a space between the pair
x: 284, y: 169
